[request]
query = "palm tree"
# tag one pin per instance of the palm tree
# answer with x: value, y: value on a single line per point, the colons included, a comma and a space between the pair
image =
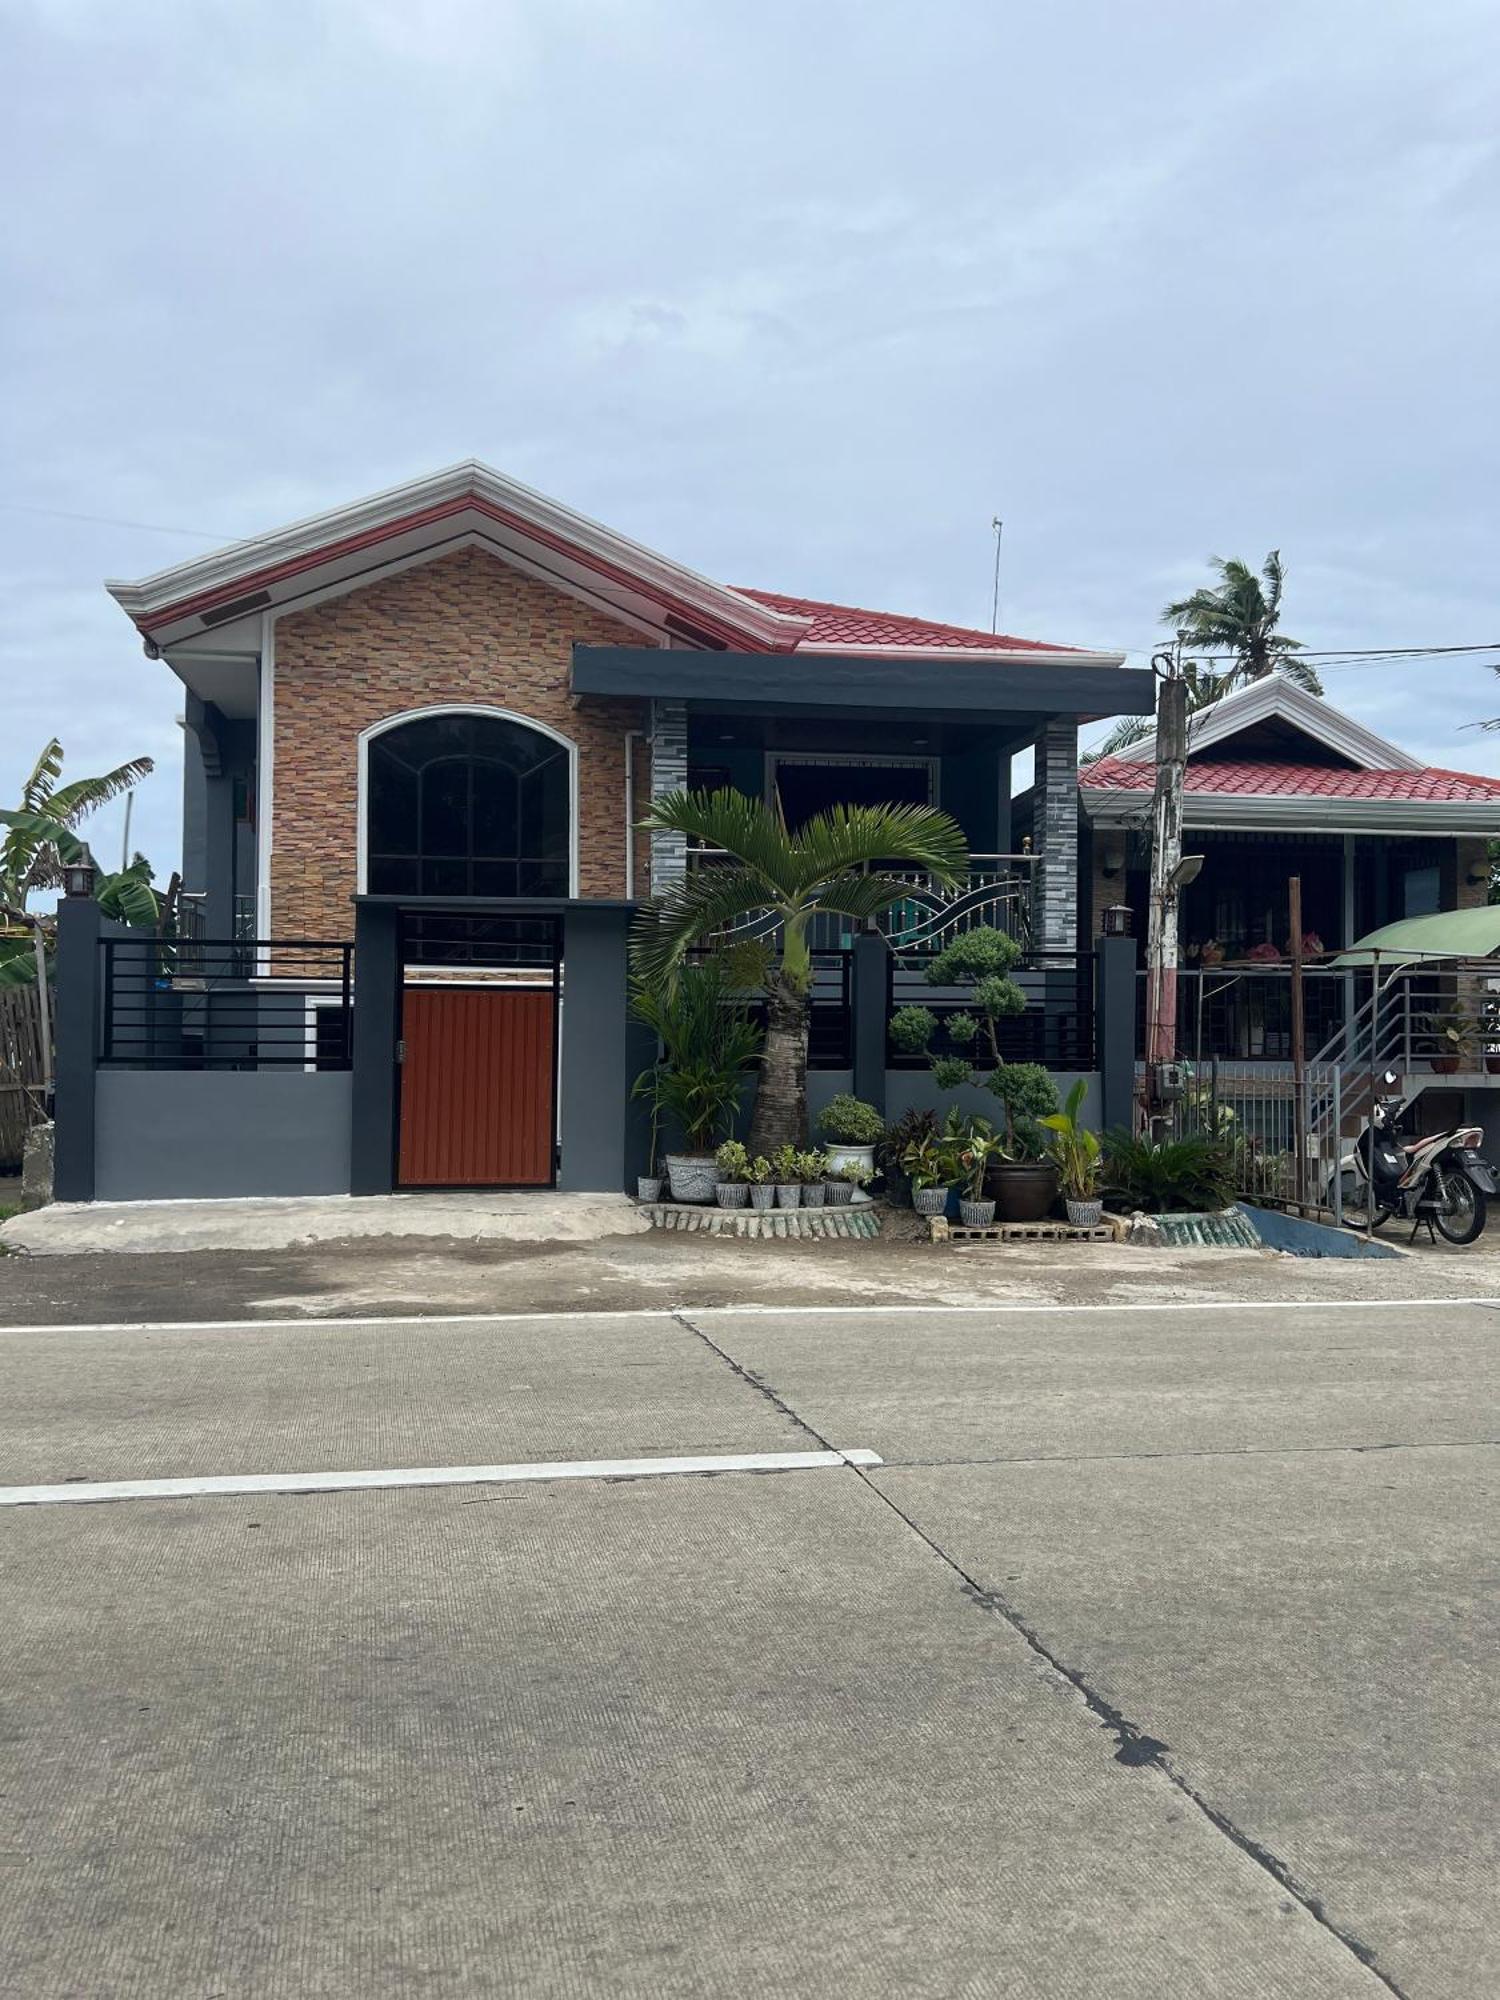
x: 778, y: 880
x: 1239, y: 617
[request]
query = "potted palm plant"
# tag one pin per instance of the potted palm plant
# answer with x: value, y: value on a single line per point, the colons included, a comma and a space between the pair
x: 1078, y: 1156
x: 733, y: 1163
x: 852, y: 1129
x: 707, y: 1043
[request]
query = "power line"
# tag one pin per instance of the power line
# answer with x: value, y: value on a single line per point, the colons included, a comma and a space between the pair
x: 109, y: 521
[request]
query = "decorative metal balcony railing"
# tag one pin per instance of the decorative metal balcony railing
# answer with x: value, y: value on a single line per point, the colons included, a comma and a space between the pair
x: 999, y: 890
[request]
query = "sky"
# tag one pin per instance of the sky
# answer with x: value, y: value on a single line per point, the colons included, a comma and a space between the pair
x: 801, y: 293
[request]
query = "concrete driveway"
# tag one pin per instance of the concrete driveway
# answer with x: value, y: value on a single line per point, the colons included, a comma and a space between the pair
x: 1150, y: 1660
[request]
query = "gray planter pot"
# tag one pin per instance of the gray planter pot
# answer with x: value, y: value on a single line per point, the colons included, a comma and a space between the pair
x: 788, y: 1194
x: 648, y: 1187
x: 814, y: 1194
x: 840, y: 1193
x: 929, y: 1201
x: 840, y: 1155
x: 692, y: 1176
x: 1085, y: 1214
x: 763, y: 1195
x: 976, y: 1214
x: 731, y: 1194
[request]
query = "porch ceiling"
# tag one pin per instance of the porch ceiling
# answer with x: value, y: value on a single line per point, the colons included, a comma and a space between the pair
x: 838, y: 684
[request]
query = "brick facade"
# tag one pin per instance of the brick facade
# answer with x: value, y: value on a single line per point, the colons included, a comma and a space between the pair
x: 462, y: 628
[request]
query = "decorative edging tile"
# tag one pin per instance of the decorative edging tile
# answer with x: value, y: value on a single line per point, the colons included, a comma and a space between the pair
x: 1111, y: 1230
x: 807, y: 1224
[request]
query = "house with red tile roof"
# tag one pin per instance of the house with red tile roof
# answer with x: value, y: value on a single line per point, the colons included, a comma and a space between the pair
x: 1281, y: 783
x: 421, y: 733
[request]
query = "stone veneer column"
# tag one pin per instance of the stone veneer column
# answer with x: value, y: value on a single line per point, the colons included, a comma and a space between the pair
x: 1055, y: 835
x: 669, y: 773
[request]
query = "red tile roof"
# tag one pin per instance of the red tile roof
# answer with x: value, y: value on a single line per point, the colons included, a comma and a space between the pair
x: 1304, y: 781
x: 835, y: 625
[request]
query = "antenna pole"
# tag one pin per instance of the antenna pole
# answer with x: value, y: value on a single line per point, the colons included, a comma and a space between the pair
x: 999, y: 527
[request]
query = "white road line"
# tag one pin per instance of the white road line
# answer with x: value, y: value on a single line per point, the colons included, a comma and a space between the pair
x: 432, y: 1475
x: 999, y: 1308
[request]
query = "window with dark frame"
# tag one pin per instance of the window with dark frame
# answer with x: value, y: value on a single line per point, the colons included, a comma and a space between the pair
x: 467, y: 805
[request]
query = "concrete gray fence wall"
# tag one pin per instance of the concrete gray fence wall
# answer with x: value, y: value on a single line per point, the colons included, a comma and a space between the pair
x: 176, y: 1134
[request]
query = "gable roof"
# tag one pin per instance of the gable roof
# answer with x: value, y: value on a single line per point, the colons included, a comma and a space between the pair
x: 470, y: 503
x: 1300, y: 781
x: 1276, y: 699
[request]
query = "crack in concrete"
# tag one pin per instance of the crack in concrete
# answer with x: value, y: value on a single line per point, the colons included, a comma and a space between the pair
x: 1134, y: 1747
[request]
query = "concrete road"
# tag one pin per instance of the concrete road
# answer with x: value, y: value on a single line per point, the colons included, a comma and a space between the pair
x: 1151, y: 1661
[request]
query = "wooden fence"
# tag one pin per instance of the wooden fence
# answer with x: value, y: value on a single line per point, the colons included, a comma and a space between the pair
x: 22, y: 1070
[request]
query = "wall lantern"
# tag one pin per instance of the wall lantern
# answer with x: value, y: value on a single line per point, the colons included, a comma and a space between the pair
x: 79, y: 878
x: 1116, y: 920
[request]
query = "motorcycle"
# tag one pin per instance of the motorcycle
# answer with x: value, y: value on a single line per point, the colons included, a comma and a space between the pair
x: 1442, y: 1180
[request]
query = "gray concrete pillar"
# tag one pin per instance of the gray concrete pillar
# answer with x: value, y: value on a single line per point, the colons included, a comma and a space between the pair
x: 76, y: 995
x: 869, y: 1000
x: 1114, y: 1028
x: 669, y: 773
x: 377, y: 996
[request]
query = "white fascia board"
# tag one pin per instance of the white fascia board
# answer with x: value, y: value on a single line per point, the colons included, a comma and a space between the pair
x: 1276, y: 699
x: 224, y: 567
x: 1272, y: 812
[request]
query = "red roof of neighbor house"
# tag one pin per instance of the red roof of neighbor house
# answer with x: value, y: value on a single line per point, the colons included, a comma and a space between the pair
x: 1315, y: 781
x: 836, y: 625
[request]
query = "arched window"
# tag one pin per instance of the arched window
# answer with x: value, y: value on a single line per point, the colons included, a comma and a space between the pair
x: 463, y: 803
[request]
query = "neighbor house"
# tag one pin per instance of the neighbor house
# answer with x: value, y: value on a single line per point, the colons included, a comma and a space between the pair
x: 421, y: 731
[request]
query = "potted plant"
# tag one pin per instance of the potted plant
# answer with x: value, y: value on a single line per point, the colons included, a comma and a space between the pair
x: 733, y: 1163
x: 1078, y: 1155
x: 927, y: 1163
x: 978, y: 1148
x: 813, y: 1169
x: 853, y: 1129
x: 843, y: 1182
x: 1491, y: 1026
x: 707, y: 1042
x: 1453, y: 1031
x: 1024, y: 1179
x: 786, y: 1169
x: 762, y: 1191
x: 1212, y: 952
x: 891, y: 1150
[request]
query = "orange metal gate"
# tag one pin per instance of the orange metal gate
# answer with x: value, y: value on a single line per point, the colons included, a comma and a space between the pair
x: 477, y: 1086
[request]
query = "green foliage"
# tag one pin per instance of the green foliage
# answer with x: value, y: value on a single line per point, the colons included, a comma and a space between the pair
x: 951, y: 1072
x: 961, y: 1029
x: 928, y: 1162
x: 1028, y: 1094
x: 998, y: 998
x: 908, y: 1129
x: 732, y: 1161
x: 855, y: 1175
x: 1073, y: 1146
x: 812, y: 1167
x: 1164, y: 1176
x: 42, y: 831
x: 707, y: 1040
x: 128, y: 895
x: 911, y: 1030
x: 980, y: 953
x: 974, y: 1157
x: 758, y: 1172
x: 786, y: 1165
x: 849, y: 1121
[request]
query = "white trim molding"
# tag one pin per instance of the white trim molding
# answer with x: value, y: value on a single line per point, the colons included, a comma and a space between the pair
x: 389, y: 722
x: 1276, y: 699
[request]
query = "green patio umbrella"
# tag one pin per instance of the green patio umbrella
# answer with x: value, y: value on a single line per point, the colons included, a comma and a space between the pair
x: 1445, y: 934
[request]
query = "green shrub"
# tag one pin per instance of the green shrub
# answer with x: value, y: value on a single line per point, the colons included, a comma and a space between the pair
x: 949, y: 1072
x: 1028, y: 1094
x: 911, y: 1029
x: 1167, y: 1176
x: 849, y: 1121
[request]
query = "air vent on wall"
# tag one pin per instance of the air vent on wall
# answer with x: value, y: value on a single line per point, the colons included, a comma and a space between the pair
x: 237, y: 607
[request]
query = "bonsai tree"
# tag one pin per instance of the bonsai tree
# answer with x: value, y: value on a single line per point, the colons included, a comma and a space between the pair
x: 775, y: 882
x: 707, y: 1042
x: 982, y: 960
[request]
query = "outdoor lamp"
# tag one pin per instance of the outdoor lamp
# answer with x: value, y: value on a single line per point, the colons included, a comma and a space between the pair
x: 79, y: 878
x: 1188, y: 869
x: 1115, y: 921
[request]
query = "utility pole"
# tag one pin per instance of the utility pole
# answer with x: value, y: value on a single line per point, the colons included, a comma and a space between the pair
x: 1167, y: 873
x: 999, y: 527
x: 1299, y: 1047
